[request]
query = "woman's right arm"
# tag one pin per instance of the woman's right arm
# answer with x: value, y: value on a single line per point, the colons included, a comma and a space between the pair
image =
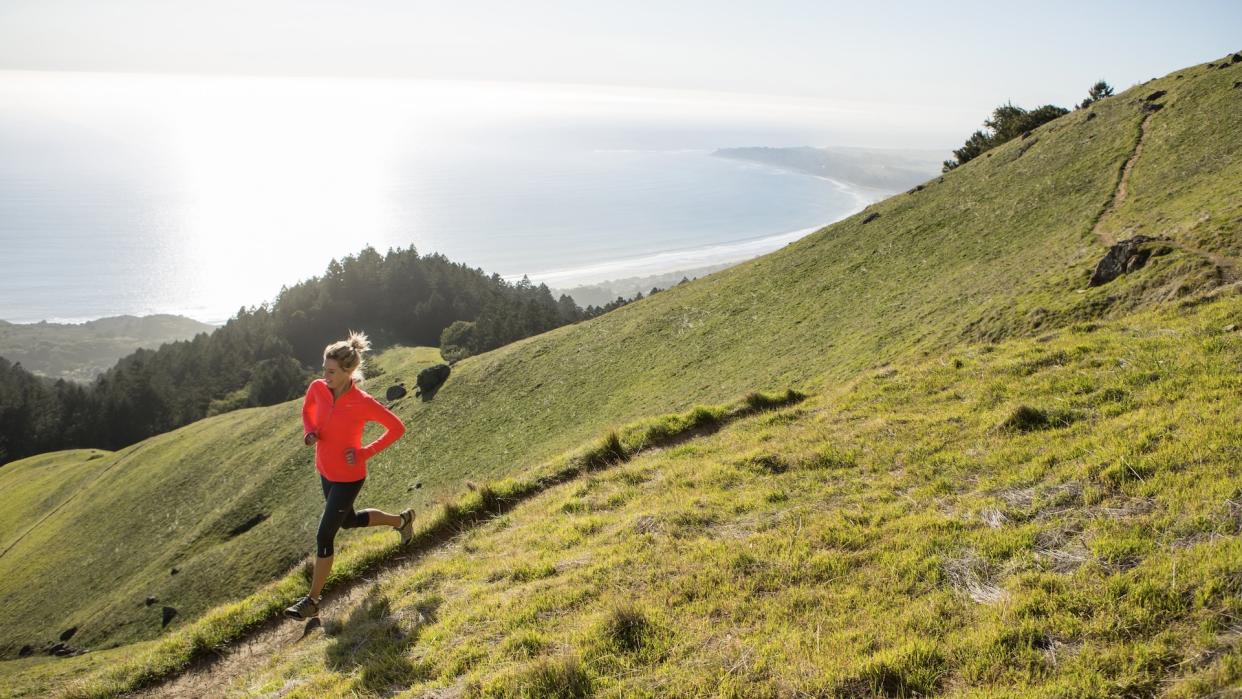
x: 308, y: 416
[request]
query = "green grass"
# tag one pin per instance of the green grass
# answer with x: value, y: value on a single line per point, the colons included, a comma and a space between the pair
x: 943, y: 556
x: 226, y: 623
x: 41, y: 484
x: 967, y: 392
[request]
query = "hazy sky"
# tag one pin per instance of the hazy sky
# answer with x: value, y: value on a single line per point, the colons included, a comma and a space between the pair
x: 973, y: 54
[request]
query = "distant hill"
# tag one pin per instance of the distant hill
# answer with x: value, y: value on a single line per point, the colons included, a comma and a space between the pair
x: 888, y: 170
x: 601, y: 293
x: 82, y: 351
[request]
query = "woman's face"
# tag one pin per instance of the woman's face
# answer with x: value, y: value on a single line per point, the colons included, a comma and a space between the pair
x: 336, y: 377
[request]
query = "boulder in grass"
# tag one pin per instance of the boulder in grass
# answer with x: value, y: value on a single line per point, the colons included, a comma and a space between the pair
x: 25, y: 652
x: 1156, y: 95
x: 431, y: 379
x: 168, y: 614
x: 395, y: 392
x: 871, y: 217
x: 152, y: 599
x: 1125, y: 257
x: 68, y: 633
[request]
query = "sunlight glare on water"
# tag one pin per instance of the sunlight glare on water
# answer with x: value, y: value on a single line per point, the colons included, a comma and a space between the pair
x: 198, y: 195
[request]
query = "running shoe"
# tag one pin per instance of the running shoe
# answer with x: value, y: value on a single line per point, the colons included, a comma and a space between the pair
x: 305, y: 608
x: 407, y: 526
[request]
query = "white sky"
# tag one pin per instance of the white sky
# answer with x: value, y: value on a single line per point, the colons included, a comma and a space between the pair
x: 961, y: 58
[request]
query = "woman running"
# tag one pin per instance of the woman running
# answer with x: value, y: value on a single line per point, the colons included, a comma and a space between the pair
x: 333, y: 414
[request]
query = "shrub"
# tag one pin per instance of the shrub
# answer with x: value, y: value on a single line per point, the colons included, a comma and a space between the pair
x: 1024, y: 418
x: 1097, y: 92
x: 562, y: 677
x: 626, y: 626
x: 608, y: 451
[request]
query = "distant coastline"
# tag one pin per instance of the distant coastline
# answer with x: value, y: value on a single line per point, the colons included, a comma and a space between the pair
x: 874, y: 169
x: 82, y: 351
x: 641, y: 272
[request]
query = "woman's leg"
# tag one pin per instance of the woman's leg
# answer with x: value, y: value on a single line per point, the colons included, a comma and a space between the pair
x: 338, y: 511
x: 319, y: 576
x: 367, y: 518
x: 377, y: 518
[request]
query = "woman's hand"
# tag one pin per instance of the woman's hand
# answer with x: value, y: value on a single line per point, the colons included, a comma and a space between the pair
x: 310, y: 439
x: 351, y: 456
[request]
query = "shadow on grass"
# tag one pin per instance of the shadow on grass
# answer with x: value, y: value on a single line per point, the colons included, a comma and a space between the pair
x: 429, y: 395
x: 375, y: 642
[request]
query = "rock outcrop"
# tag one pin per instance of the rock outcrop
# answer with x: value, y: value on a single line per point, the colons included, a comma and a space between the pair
x: 1125, y: 257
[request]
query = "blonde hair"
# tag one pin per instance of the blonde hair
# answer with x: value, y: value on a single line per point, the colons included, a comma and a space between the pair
x: 348, y: 353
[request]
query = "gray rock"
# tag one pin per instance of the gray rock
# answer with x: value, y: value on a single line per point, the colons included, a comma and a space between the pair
x: 432, y: 378
x: 394, y: 392
x: 1123, y: 258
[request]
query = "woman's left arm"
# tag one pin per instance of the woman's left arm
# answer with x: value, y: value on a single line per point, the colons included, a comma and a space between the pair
x: 393, y: 428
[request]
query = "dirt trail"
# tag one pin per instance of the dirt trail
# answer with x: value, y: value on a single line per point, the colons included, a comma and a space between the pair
x: 1100, y: 230
x: 213, y: 677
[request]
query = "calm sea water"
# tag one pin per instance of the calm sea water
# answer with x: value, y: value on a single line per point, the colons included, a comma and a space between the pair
x: 130, y: 194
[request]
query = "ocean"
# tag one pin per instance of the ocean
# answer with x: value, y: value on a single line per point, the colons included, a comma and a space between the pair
x: 133, y: 194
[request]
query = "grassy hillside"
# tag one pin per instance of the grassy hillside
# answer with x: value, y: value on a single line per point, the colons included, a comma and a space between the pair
x: 89, y: 551
x: 1049, y: 517
x: 999, y: 248
x: 39, y: 485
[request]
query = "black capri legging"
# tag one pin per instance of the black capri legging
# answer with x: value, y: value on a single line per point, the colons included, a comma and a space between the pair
x: 338, y: 512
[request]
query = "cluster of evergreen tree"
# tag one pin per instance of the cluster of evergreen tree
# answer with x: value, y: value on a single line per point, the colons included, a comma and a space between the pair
x: 1009, y: 121
x: 267, y: 354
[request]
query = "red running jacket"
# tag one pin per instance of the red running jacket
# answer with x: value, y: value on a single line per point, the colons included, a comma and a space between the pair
x: 337, y: 426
